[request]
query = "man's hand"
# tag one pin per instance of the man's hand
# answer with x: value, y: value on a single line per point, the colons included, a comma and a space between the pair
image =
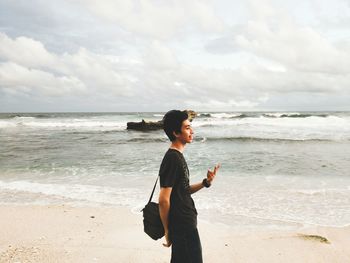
x: 211, y: 174
x: 164, y: 207
x: 167, y: 240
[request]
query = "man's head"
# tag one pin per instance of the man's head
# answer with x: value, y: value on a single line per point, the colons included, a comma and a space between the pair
x: 177, y: 125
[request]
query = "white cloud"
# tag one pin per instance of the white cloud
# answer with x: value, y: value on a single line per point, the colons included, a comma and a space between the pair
x: 160, y: 57
x: 273, y: 34
x: 25, y: 51
x: 231, y: 104
x: 297, y: 48
x: 152, y: 54
x: 28, y: 64
x: 159, y: 19
x: 286, y: 56
x: 99, y: 72
x: 24, y: 80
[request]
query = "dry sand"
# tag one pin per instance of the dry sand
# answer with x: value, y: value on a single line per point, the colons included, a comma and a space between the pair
x: 87, y: 234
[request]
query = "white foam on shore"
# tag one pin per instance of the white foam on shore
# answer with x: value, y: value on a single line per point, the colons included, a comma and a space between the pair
x: 290, y: 199
x: 79, y: 192
x: 246, y: 205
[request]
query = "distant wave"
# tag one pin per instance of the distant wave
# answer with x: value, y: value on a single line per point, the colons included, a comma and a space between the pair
x: 28, y: 116
x: 88, y: 132
x: 23, y: 118
x: 293, y: 115
x: 241, y: 116
x: 147, y: 140
x: 225, y: 115
x: 10, y: 116
x: 203, y: 115
x: 216, y: 139
x: 205, y: 139
x: 59, y: 115
x: 257, y: 139
x: 59, y: 124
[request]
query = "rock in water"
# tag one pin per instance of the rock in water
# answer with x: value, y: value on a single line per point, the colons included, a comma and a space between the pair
x: 145, y: 125
x: 191, y: 114
x: 154, y: 125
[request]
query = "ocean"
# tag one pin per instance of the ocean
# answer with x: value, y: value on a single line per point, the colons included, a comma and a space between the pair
x: 279, y: 169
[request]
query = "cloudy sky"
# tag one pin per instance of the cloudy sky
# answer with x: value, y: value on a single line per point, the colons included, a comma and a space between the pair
x: 155, y: 55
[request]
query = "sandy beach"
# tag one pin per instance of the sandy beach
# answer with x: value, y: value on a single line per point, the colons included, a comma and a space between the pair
x: 89, y: 234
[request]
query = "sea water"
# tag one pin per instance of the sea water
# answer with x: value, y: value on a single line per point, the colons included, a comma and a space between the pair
x: 279, y: 169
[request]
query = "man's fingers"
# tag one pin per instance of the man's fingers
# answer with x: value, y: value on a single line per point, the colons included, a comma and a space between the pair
x: 217, y: 168
x: 212, y: 174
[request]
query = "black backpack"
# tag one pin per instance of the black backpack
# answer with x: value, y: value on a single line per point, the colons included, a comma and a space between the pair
x: 152, y: 224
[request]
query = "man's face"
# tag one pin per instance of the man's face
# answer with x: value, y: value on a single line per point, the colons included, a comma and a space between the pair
x: 186, y: 135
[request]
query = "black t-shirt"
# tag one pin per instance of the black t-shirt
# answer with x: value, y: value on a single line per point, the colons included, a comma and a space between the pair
x: 174, y: 173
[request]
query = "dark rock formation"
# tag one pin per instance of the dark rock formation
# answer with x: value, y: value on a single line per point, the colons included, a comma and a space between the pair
x: 154, y: 125
x: 145, y: 125
x: 191, y: 114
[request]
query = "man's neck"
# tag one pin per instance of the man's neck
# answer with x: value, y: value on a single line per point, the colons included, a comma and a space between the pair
x: 178, y: 146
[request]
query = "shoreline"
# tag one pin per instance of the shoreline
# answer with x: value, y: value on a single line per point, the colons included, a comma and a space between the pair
x: 62, y: 233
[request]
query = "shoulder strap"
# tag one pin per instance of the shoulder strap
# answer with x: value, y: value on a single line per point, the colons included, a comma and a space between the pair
x: 154, y: 187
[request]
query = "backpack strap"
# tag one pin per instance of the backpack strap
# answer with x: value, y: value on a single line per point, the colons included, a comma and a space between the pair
x: 154, y: 187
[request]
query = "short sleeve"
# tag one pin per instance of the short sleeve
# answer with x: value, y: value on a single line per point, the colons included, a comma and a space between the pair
x: 168, y: 170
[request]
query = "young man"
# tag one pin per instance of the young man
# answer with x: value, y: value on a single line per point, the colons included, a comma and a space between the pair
x: 176, y: 206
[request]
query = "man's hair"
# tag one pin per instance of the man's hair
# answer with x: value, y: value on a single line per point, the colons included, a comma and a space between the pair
x: 172, y: 122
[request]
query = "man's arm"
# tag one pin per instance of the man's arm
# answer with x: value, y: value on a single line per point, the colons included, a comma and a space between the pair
x: 210, y: 177
x: 164, y: 207
x: 196, y: 187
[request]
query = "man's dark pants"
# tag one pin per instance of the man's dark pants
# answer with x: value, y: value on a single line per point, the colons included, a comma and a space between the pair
x: 186, y: 247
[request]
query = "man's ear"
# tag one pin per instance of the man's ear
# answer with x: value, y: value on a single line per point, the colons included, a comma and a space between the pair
x: 175, y: 134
